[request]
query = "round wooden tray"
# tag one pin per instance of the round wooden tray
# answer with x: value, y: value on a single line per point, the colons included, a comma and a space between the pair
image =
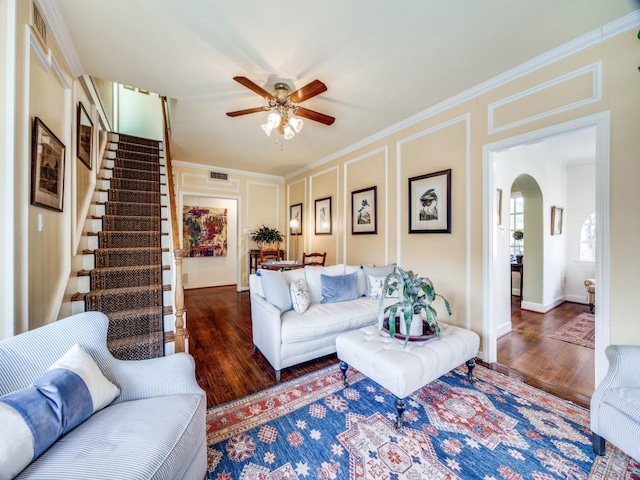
x: 420, y: 338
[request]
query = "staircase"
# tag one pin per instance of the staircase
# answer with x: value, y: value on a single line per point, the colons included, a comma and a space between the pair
x: 129, y: 230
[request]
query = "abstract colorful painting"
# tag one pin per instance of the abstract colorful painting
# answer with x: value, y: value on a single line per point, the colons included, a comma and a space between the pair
x: 205, y: 231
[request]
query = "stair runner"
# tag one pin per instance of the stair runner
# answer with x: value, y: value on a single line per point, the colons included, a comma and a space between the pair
x: 126, y: 283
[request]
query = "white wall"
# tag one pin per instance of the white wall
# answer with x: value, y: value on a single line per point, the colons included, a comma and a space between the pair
x: 139, y: 114
x: 213, y: 271
x: 581, y: 202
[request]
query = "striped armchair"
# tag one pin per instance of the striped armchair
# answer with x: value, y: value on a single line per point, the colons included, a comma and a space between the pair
x: 155, y: 428
x: 615, y: 405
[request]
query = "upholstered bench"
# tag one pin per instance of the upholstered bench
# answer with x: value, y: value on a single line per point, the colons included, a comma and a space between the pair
x: 403, y: 370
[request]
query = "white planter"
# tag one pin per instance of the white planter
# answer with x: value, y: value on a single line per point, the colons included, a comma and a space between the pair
x: 416, y: 326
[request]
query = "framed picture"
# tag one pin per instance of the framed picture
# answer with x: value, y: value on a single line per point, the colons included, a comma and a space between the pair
x: 556, y: 220
x: 47, y: 167
x: 499, y: 206
x: 364, y: 211
x: 84, y: 136
x: 323, y: 216
x: 295, y: 213
x: 430, y: 203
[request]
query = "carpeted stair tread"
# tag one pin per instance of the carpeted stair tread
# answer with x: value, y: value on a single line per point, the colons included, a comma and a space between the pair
x: 125, y: 239
x: 121, y: 277
x: 123, y: 257
x: 146, y: 175
x: 132, y: 223
x: 133, y: 322
x: 123, y: 195
x: 143, y: 165
x: 138, y: 347
x: 137, y: 185
x: 131, y: 208
x: 126, y: 298
x: 143, y: 156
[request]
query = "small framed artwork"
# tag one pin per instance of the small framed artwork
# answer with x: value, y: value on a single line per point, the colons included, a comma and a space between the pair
x: 556, y: 220
x: 84, y: 136
x: 498, y: 206
x: 295, y: 213
x: 430, y: 203
x: 47, y: 167
x: 364, y: 211
x: 323, y: 216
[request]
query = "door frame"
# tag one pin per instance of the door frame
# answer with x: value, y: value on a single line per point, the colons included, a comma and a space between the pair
x: 602, y: 122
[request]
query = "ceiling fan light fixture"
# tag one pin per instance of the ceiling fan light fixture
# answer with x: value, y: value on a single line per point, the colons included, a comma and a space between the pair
x: 296, y: 123
x: 288, y: 132
x: 267, y: 128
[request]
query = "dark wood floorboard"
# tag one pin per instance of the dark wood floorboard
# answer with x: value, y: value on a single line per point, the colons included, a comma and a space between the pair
x: 564, y: 369
x: 219, y: 324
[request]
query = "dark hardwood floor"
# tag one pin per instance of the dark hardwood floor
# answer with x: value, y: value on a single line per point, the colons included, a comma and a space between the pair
x: 219, y: 324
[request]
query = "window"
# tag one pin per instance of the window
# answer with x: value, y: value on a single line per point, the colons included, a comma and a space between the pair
x: 588, y: 239
x: 516, y: 222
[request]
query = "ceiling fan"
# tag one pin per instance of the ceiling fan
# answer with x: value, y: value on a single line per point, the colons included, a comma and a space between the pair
x: 284, y: 105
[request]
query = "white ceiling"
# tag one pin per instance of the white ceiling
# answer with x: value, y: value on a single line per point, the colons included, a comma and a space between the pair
x: 381, y: 61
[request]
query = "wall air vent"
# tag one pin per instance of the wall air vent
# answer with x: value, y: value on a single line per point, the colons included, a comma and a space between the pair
x: 218, y: 176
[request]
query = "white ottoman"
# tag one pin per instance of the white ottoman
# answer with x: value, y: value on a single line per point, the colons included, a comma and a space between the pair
x: 400, y: 370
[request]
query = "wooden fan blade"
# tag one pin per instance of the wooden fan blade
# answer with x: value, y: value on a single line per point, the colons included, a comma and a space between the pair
x: 237, y: 113
x: 253, y: 87
x: 315, y: 116
x: 308, y: 91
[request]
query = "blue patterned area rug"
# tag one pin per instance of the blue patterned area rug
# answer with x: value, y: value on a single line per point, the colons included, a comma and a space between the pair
x: 496, y: 428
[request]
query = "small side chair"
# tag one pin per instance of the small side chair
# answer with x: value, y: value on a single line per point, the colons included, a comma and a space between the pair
x: 314, y: 258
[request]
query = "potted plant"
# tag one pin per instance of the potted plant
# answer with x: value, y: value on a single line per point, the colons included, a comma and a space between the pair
x: 518, y: 235
x: 266, y: 236
x: 415, y: 294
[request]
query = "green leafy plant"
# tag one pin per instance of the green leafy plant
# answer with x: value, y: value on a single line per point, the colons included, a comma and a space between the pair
x: 415, y: 294
x: 518, y: 235
x: 266, y: 236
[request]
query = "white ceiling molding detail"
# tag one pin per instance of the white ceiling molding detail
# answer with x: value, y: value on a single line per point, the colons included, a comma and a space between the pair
x: 60, y: 33
x: 588, y: 40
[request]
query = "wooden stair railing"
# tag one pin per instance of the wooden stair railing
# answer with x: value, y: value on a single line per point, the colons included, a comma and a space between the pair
x: 181, y: 333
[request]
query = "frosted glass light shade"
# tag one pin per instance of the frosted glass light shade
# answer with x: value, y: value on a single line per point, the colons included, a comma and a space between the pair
x: 296, y: 123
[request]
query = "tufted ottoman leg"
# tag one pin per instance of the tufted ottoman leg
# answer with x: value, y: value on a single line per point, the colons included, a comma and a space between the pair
x: 344, y: 367
x: 400, y: 406
x: 471, y: 364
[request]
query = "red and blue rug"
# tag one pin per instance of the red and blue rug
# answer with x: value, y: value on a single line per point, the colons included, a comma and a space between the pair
x: 496, y: 428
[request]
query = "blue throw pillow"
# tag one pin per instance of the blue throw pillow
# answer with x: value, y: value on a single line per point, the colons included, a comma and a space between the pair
x: 339, y: 288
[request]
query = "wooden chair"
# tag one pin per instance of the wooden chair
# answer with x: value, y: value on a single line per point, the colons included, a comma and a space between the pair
x: 314, y: 258
x: 269, y: 255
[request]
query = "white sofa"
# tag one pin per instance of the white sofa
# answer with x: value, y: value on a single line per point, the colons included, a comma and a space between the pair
x: 288, y: 338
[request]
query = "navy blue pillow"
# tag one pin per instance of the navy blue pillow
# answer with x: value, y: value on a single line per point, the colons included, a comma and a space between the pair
x: 339, y: 288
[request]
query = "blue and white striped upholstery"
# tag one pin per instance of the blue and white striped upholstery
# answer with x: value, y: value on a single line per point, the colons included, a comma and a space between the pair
x: 615, y: 405
x: 154, y: 429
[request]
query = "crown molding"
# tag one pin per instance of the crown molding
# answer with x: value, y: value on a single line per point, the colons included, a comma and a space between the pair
x: 61, y: 36
x: 588, y: 40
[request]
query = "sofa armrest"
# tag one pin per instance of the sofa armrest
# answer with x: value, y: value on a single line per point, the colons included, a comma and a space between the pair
x: 156, y: 377
x: 622, y: 372
x: 266, y: 329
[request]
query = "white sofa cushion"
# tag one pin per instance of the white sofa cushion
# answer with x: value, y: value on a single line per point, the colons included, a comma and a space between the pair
x: 312, y: 275
x: 362, y: 278
x: 322, y: 319
x: 151, y: 438
x: 376, y: 272
x: 276, y: 289
x: 300, y: 295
